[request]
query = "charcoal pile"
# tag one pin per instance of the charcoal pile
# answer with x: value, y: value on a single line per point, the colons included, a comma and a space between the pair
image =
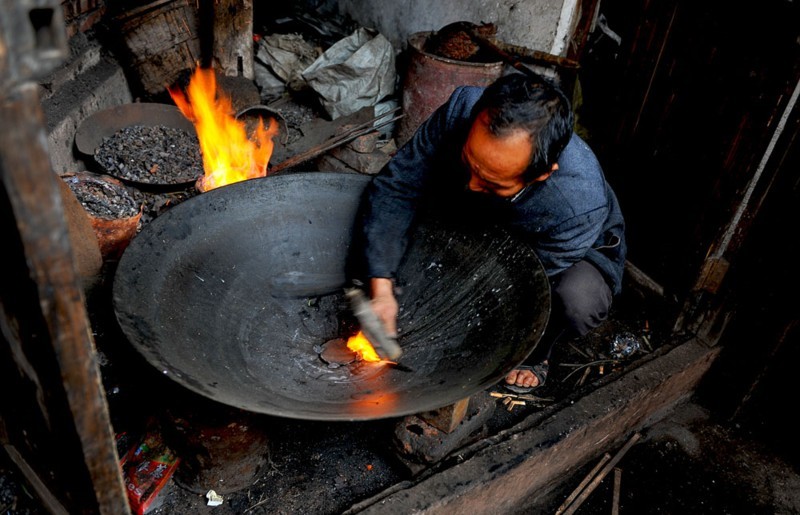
x: 155, y: 204
x: 155, y: 155
x: 102, y: 198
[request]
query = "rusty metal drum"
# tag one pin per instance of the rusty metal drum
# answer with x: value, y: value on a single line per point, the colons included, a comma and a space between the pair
x: 430, y: 79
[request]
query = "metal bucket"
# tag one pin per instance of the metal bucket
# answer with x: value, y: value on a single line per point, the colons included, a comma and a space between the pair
x: 430, y: 80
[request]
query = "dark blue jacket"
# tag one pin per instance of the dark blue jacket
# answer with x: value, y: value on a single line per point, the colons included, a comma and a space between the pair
x: 572, y: 215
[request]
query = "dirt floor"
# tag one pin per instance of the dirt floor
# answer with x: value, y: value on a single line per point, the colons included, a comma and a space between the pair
x: 691, y: 463
x: 688, y: 463
x: 694, y: 461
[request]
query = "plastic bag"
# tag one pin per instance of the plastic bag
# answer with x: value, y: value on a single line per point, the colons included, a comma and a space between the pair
x: 355, y: 72
x: 624, y: 345
x: 286, y: 56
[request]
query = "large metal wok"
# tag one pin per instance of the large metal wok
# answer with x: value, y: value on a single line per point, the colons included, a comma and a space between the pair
x: 233, y: 294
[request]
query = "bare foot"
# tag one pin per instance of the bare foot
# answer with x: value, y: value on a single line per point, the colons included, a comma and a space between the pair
x: 524, y: 377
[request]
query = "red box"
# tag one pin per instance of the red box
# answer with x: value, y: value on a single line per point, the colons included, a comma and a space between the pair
x: 146, y: 468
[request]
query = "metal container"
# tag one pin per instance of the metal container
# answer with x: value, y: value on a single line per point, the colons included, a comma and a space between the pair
x: 233, y: 294
x: 430, y: 80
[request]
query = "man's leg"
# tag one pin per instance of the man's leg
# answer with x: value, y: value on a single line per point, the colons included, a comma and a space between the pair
x: 580, y: 301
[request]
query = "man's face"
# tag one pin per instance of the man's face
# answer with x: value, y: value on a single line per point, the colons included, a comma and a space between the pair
x: 496, y: 164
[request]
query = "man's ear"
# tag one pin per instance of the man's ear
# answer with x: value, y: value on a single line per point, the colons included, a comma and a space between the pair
x: 545, y: 175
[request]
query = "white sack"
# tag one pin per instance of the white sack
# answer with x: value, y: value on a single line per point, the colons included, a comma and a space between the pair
x: 355, y: 72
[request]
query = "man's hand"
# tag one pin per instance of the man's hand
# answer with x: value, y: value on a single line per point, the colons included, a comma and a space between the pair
x: 384, y: 303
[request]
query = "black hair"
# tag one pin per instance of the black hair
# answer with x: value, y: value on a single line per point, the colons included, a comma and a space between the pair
x: 535, y: 104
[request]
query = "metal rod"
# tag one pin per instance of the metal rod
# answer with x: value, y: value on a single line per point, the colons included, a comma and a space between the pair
x: 539, y: 57
x: 368, y: 123
x: 330, y: 144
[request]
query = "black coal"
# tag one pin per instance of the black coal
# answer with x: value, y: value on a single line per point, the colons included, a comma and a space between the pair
x: 103, y: 199
x: 151, y: 155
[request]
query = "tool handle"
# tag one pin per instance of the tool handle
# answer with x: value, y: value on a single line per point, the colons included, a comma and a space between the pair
x: 372, y: 326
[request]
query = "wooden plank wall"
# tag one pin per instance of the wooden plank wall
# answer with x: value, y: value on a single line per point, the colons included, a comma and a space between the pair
x: 681, y: 114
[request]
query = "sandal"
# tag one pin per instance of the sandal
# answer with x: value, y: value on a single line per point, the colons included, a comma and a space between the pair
x: 540, y: 370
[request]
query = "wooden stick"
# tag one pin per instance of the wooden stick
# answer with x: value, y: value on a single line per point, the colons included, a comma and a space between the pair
x: 603, y: 473
x: 583, y: 484
x: 597, y: 362
x: 584, y: 376
x: 617, y: 483
x: 770, y: 358
x: 579, y: 351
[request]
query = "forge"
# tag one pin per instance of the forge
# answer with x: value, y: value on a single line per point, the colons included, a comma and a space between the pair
x: 220, y: 331
x: 235, y: 293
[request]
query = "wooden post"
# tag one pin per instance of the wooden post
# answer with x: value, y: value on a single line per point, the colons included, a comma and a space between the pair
x: 617, y: 485
x: 56, y: 422
x: 233, y: 38
x: 447, y: 418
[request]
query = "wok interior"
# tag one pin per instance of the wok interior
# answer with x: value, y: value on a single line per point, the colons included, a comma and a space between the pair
x: 232, y: 293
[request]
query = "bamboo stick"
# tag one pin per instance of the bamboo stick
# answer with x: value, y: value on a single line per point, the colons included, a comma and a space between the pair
x: 596, y: 481
x: 583, y: 483
x: 617, y: 484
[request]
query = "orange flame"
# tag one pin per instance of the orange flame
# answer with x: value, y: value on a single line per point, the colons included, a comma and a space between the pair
x: 229, y: 155
x: 361, y: 346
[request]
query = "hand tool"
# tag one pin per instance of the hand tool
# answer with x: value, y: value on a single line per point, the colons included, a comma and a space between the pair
x: 372, y: 326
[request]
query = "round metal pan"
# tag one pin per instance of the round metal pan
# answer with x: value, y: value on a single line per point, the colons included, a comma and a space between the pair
x: 107, y: 122
x: 232, y: 294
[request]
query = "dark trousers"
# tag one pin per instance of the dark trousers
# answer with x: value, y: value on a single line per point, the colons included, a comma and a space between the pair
x: 581, y: 299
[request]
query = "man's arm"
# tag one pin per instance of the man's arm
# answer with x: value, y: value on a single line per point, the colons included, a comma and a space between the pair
x: 395, y: 193
x: 394, y: 196
x: 392, y: 200
x: 384, y: 303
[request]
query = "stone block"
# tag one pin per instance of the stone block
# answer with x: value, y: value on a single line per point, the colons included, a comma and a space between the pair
x: 88, y: 83
x: 419, y: 443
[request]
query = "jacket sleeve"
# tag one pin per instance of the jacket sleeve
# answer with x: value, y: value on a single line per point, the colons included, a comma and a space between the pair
x: 395, y: 193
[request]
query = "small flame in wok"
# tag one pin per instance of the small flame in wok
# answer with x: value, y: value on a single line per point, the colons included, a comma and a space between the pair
x: 361, y: 346
x: 229, y: 155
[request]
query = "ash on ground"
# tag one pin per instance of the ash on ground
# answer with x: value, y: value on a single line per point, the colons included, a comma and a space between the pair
x: 296, y: 113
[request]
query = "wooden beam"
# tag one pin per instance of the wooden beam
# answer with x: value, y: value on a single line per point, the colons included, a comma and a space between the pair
x: 447, y: 418
x: 70, y: 390
x: 233, y: 38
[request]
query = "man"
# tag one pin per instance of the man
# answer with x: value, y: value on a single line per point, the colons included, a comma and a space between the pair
x: 506, y: 154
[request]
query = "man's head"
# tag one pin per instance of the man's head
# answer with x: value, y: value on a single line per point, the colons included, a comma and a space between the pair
x: 521, y: 125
